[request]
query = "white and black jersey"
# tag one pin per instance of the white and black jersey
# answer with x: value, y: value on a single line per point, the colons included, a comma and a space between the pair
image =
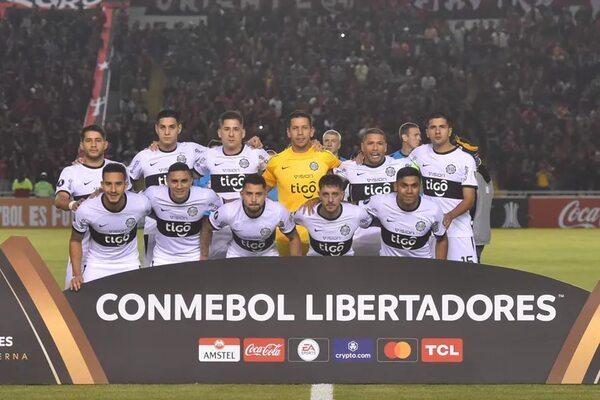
x: 178, y: 224
x: 113, y: 235
x: 80, y: 180
x: 406, y: 233
x: 253, y: 236
x: 365, y: 181
x: 227, y: 171
x: 153, y: 166
x: 333, y: 237
x: 444, y: 176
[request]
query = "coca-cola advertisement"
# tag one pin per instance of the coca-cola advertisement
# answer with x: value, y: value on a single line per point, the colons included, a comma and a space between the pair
x: 564, y: 212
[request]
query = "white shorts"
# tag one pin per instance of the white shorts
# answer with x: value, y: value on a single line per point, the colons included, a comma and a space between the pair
x: 92, y: 272
x: 462, y: 249
x: 85, y: 244
x: 150, y: 229
x: 367, y: 242
x: 220, y: 243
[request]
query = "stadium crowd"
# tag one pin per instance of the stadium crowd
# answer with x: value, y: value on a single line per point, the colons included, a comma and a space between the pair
x: 526, y: 87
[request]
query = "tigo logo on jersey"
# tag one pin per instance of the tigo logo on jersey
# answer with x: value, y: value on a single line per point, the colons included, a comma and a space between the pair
x: 219, y: 350
x: 308, y: 350
x: 353, y: 350
x: 442, y: 350
x: 264, y: 350
x: 397, y: 350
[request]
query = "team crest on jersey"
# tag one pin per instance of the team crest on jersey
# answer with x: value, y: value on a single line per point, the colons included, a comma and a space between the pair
x: 390, y: 171
x: 265, y: 232
x: 451, y: 169
x: 435, y: 227
x: 244, y: 163
x: 130, y: 223
x: 192, y: 211
x: 420, y: 226
x: 60, y: 182
x: 314, y: 166
x: 181, y: 158
x: 345, y: 230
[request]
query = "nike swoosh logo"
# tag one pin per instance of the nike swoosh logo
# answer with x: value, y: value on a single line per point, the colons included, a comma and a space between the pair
x: 390, y: 220
x: 318, y: 230
x: 217, y: 164
x: 87, y: 183
x: 153, y: 164
x: 285, y: 167
x: 162, y: 209
x: 426, y: 165
x: 102, y: 225
x: 360, y: 173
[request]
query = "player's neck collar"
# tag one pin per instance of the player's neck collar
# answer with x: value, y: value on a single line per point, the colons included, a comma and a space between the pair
x: 114, y: 211
x: 320, y: 207
x: 182, y: 201
x: 262, y: 210
x: 92, y: 167
x: 444, y: 152
x: 168, y: 151
x: 376, y: 166
x: 406, y: 209
x: 234, y: 154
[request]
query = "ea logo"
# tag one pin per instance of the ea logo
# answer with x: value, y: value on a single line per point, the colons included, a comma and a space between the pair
x: 308, y: 350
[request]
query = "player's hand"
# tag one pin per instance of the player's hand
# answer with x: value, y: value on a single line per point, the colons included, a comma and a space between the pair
x: 203, y: 257
x: 317, y: 145
x: 307, y: 207
x: 76, y: 283
x: 448, y: 218
x: 255, y: 142
x: 359, y: 159
x: 153, y: 146
x: 77, y: 161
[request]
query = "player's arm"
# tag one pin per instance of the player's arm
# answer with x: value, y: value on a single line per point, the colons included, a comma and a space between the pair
x: 464, y: 206
x: 76, y: 253
x: 295, y: 243
x: 441, y: 247
x: 63, y: 201
x: 205, y: 238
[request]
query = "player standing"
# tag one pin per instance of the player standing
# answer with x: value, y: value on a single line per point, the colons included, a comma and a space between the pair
x: 410, y: 136
x: 449, y: 179
x: 253, y: 221
x: 112, y: 219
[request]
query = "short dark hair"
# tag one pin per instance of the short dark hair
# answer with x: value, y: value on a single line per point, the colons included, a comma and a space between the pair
x: 407, y: 171
x: 372, y: 131
x: 331, y: 180
x: 254, y: 179
x: 405, y: 127
x: 168, y: 113
x: 92, y: 128
x: 299, y: 114
x: 439, y: 114
x: 114, y: 167
x: 179, y: 166
x: 231, y: 114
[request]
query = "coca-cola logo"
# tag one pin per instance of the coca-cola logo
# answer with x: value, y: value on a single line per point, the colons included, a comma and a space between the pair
x: 264, y: 350
x: 574, y: 216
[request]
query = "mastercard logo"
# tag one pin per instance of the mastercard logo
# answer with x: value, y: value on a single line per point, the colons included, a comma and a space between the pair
x: 397, y: 350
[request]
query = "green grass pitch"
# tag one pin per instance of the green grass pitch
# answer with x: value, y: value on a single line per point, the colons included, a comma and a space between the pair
x: 571, y: 256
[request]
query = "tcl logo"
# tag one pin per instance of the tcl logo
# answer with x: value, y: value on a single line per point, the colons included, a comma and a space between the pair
x: 264, y: 350
x: 442, y: 350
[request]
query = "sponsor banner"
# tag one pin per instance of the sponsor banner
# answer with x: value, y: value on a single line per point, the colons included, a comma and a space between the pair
x: 509, y: 212
x: 564, y: 212
x: 32, y: 213
x: 55, y: 4
x: 283, y: 320
x: 353, y: 350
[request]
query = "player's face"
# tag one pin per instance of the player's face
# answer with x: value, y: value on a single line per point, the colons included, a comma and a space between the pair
x: 438, y: 131
x: 408, y: 189
x: 412, y: 138
x: 332, y: 143
x: 93, y: 145
x: 167, y: 129
x: 179, y: 183
x: 374, y: 148
x: 113, y: 186
x: 254, y: 197
x: 331, y: 198
x: 231, y: 133
x: 300, y: 133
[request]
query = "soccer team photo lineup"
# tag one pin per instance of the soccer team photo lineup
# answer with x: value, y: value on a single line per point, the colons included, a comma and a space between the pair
x: 300, y: 192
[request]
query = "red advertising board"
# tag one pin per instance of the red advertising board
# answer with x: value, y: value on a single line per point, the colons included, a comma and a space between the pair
x: 32, y: 213
x: 564, y: 212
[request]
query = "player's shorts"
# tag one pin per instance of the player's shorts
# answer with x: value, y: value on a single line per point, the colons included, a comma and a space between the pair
x: 283, y: 243
x: 462, y: 249
x: 85, y: 243
x: 233, y: 253
x: 220, y: 243
x: 92, y: 272
x: 367, y: 242
x: 150, y: 229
